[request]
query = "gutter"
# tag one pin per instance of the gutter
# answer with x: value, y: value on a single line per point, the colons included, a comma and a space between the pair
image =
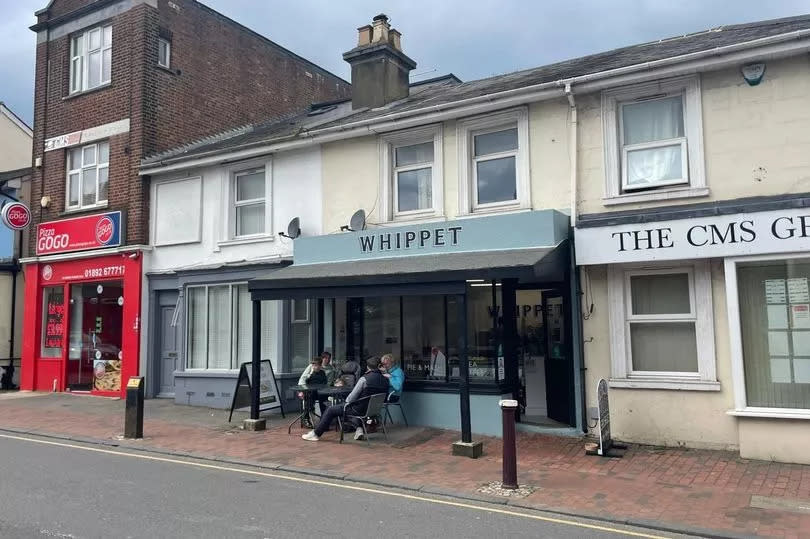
x: 718, y: 57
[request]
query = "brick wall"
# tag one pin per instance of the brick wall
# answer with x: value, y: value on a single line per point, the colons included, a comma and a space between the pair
x: 222, y: 76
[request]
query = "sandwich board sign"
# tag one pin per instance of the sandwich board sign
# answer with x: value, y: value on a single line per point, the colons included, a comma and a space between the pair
x: 603, y: 408
x: 269, y: 396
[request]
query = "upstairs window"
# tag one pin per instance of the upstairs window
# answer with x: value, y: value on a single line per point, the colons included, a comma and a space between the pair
x: 412, y: 177
x: 653, y: 141
x: 90, y: 59
x: 164, y: 53
x: 249, y: 202
x: 88, y: 175
x: 494, y: 162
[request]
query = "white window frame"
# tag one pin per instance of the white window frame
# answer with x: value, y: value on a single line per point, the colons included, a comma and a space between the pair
x: 620, y: 302
x: 232, y: 288
x: 293, y: 319
x: 229, y: 200
x: 79, y: 63
x: 465, y: 131
x: 388, y: 172
x: 98, y: 166
x: 163, y: 42
x: 741, y: 407
x: 300, y: 322
x: 693, y: 182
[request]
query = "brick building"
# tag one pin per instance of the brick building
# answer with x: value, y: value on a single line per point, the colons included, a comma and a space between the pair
x: 118, y: 80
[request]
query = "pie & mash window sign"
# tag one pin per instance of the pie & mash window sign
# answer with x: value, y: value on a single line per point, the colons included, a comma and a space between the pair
x: 780, y: 231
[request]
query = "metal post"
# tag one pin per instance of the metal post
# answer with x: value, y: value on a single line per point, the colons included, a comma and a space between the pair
x: 463, y: 370
x: 508, y: 408
x: 256, y: 360
x: 133, y: 412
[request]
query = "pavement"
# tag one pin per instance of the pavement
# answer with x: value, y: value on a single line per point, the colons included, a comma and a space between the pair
x: 697, y: 492
x: 120, y: 493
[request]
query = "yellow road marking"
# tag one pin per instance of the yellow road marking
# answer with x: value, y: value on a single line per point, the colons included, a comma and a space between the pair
x: 339, y: 485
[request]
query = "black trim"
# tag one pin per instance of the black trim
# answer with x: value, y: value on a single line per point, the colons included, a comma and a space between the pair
x: 425, y: 386
x: 691, y: 211
x: 413, y: 289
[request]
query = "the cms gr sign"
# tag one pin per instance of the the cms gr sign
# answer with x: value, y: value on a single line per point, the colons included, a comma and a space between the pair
x: 703, y: 237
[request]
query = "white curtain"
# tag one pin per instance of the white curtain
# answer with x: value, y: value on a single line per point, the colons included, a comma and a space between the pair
x: 219, y: 327
x: 651, y: 121
x: 196, y: 328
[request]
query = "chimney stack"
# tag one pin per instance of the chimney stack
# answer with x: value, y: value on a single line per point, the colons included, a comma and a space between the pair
x: 379, y: 67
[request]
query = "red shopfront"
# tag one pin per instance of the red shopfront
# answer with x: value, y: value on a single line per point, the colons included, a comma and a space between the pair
x: 82, y: 315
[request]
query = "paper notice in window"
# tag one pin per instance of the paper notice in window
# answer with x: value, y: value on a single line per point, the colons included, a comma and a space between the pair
x: 777, y: 317
x: 798, y: 291
x: 775, y: 291
x: 800, y: 316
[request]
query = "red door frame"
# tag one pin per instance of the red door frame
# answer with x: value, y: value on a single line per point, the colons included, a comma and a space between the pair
x: 38, y: 373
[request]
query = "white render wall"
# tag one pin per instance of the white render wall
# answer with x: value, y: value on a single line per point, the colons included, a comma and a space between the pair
x: 295, y: 192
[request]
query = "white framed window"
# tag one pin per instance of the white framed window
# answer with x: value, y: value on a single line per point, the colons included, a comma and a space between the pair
x: 91, y: 59
x: 653, y: 140
x: 412, y: 170
x: 661, y: 326
x: 164, y: 52
x: 494, y: 162
x: 219, y: 324
x: 88, y: 175
x: 249, y: 195
x: 768, y: 304
x: 301, y: 334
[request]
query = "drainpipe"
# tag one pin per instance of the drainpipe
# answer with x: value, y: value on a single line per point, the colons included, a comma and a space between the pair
x: 572, y: 151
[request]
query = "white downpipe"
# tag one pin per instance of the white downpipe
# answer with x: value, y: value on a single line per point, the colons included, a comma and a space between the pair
x: 572, y: 152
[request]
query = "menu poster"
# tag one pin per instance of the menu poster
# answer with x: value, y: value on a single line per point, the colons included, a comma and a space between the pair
x: 775, y: 291
x: 798, y: 291
x: 801, y: 316
x: 54, y: 319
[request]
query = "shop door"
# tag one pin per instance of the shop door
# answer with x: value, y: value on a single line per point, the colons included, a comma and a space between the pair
x: 559, y: 364
x: 168, y: 352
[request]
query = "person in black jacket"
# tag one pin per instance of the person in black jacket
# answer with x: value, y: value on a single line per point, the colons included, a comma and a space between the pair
x: 371, y: 383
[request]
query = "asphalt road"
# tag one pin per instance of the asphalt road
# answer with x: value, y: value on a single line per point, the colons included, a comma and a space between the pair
x: 57, y: 489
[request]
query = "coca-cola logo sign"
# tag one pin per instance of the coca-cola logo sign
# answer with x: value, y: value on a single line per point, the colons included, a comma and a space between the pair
x: 16, y: 215
x: 104, y: 230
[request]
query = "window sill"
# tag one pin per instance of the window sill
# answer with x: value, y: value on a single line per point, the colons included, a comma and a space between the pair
x: 246, y: 240
x: 480, y: 212
x: 84, y: 209
x: 673, y: 384
x: 432, y: 217
x: 166, y: 69
x: 772, y: 413
x: 661, y: 194
x: 85, y: 92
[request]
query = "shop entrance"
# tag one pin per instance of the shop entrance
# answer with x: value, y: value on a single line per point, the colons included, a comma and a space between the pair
x: 94, y: 351
x: 545, y: 362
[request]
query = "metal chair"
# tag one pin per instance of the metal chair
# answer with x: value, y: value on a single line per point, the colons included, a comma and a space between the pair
x: 398, y: 403
x: 374, y: 410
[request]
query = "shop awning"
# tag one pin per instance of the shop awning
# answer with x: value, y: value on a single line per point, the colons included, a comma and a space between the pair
x: 395, y: 274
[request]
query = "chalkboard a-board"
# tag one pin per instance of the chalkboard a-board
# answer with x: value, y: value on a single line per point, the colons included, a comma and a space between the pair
x: 605, y: 441
x: 269, y: 396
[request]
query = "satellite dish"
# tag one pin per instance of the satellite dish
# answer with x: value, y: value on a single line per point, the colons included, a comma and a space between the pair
x: 358, y: 220
x: 293, y: 229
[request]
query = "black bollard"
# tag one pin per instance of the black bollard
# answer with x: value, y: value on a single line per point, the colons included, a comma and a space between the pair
x: 508, y: 409
x: 133, y: 414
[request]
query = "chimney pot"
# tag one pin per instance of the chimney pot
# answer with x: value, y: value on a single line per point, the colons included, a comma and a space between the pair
x: 364, y: 35
x: 394, y: 38
x: 380, y: 29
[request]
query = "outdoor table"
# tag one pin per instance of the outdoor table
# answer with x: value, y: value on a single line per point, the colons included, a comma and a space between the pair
x: 337, y: 393
x: 305, y: 417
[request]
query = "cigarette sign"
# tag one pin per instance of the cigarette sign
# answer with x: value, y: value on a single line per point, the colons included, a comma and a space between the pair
x: 79, y: 234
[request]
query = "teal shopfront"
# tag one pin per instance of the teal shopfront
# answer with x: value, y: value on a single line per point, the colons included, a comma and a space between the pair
x: 475, y: 309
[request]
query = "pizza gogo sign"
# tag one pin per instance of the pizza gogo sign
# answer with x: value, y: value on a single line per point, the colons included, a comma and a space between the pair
x: 79, y: 234
x: 703, y: 237
x: 15, y: 215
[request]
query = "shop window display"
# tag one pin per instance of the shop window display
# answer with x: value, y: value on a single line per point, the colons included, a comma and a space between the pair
x: 775, y: 322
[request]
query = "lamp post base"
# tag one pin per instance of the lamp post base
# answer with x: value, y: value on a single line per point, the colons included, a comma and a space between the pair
x: 472, y: 450
x: 255, y: 424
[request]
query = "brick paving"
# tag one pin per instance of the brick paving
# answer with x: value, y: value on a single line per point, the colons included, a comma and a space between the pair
x: 709, y: 490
